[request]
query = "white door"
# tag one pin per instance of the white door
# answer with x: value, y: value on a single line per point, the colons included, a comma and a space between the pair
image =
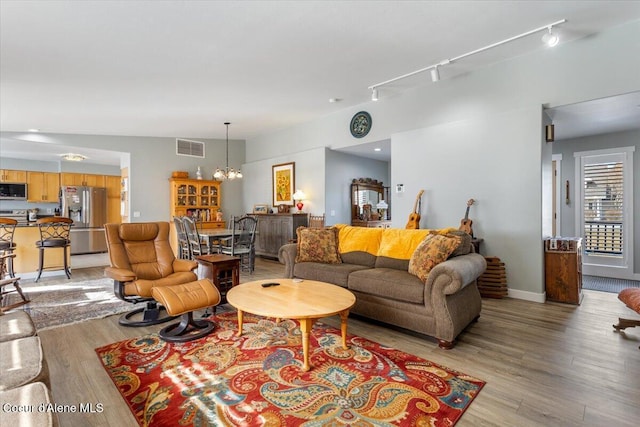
x: 604, y: 211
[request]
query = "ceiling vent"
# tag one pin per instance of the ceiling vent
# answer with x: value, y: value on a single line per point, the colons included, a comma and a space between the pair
x: 185, y: 147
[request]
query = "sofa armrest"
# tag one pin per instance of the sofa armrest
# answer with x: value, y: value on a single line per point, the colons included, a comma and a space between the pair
x: 287, y: 256
x: 183, y: 265
x: 451, y: 276
x: 120, y: 274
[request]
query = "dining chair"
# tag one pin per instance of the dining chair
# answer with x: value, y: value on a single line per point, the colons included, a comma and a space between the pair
x: 5, y: 283
x: 184, y: 249
x: 316, y: 221
x: 7, y: 245
x: 54, y: 234
x: 198, y: 245
x: 242, y: 241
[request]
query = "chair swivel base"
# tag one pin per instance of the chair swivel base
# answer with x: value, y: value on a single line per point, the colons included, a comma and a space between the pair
x: 187, y: 330
x: 151, y: 315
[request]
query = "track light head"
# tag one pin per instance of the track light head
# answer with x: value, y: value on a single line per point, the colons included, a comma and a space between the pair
x: 435, y: 74
x: 374, y: 94
x: 550, y: 39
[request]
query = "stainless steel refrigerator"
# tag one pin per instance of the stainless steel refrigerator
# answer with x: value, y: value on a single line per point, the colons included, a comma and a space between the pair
x: 87, y: 207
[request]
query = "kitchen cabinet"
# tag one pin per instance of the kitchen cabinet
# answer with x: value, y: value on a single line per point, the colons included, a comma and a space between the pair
x: 275, y: 230
x: 86, y: 179
x: 43, y: 187
x: 8, y: 175
x: 113, y: 184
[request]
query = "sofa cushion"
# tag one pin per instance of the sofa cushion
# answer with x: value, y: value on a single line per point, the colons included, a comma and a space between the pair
x: 318, y: 245
x: 331, y: 273
x: 359, y: 245
x: 432, y: 251
x: 465, y: 242
x: 33, y: 395
x: 16, y: 324
x: 22, y: 362
x: 389, y: 283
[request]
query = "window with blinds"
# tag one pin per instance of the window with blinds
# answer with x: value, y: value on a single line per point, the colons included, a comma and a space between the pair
x: 603, y: 207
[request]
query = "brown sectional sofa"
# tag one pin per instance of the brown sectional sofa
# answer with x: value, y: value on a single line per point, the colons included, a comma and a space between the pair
x: 375, y: 268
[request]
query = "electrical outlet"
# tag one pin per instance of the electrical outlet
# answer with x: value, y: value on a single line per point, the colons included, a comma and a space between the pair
x: 49, y: 210
x: 136, y: 214
x: 333, y: 213
x: 399, y: 188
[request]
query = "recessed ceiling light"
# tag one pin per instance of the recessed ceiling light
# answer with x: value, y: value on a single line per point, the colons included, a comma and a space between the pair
x: 377, y: 149
x: 333, y: 100
x: 33, y: 130
x: 73, y: 157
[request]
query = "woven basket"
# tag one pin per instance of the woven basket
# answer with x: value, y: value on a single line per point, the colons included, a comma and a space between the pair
x: 179, y: 174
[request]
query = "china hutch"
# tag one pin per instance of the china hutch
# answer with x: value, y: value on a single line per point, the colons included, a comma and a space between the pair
x: 370, y: 204
x: 196, y: 198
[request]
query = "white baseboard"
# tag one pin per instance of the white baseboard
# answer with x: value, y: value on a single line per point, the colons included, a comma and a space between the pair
x: 527, y: 296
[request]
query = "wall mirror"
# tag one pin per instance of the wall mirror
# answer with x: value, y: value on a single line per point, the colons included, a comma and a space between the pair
x: 370, y: 204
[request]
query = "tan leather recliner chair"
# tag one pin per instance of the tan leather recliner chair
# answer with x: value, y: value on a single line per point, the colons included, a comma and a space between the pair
x: 141, y: 259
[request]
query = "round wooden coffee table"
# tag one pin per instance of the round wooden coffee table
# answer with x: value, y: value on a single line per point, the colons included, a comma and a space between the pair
x: 304, y: 301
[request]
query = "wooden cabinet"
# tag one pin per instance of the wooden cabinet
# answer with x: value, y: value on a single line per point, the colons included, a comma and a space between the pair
x: 86, y: 179
x: 370, y: 204
x: 275, y: 230
x: 371, y: 224
x: 563, y: 270
x: 8, y: 175
x: 113, y: 185
x: 197, y: 198
x: 43, y: 187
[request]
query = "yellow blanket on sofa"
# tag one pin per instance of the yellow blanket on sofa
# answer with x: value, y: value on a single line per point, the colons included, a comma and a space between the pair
x: 398, y: 243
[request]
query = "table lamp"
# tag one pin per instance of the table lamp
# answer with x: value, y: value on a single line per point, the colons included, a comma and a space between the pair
x: 299, y: 196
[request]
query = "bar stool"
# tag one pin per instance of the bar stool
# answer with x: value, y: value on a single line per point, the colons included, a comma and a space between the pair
x: 54, y: 234
x: 7, y: 228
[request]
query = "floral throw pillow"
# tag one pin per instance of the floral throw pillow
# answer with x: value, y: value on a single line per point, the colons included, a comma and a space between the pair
x: 433, y: 250
x: 318, y: 245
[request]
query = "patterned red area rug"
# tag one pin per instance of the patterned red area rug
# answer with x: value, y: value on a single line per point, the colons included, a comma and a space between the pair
x: 255, y: 380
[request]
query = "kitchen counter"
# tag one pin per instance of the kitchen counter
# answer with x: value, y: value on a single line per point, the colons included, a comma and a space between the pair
x: 25, y: 264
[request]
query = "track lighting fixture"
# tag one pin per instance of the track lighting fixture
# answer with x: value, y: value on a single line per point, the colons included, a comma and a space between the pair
x: 435, y: 74
x: 549, y: 38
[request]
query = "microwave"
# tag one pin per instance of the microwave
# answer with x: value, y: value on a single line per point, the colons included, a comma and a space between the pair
x: 9, y: 191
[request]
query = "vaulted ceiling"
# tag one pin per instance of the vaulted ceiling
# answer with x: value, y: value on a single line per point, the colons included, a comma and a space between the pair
x: 182, y: 68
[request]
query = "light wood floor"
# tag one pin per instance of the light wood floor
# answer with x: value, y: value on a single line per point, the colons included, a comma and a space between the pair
x: 545, y: 364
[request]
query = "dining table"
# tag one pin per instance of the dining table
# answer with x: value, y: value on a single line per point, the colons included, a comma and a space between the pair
x: 212, y: 235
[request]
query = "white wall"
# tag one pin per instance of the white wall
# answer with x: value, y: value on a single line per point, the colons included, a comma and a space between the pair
x: 480, y: 135
x: 309, y: 177
x: 341, y: 169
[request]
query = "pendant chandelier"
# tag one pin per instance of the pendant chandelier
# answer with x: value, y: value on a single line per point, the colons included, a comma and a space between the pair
x: 227, y: 173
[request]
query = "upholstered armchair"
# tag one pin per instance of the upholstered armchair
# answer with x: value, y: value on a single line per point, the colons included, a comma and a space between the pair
x: 142, y: 259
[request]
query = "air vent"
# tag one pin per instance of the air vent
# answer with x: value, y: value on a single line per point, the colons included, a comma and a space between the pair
x: 185, y: 147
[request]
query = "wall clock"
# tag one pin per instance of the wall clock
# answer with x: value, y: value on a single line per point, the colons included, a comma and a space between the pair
x: 360, y: 124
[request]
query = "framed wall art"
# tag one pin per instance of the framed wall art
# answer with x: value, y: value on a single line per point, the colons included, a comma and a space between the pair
x: 283, y: 183
x: 260, y: 209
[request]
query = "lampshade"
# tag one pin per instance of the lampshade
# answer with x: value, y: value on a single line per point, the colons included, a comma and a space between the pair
x: 299, y: 195
x: 382, y: 205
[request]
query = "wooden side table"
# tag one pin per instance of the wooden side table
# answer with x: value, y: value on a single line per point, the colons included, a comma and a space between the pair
x: 222, y: 270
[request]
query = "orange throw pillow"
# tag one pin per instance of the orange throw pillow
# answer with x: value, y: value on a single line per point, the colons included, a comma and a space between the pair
x: 432, y: 251
x: 318, y: 245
